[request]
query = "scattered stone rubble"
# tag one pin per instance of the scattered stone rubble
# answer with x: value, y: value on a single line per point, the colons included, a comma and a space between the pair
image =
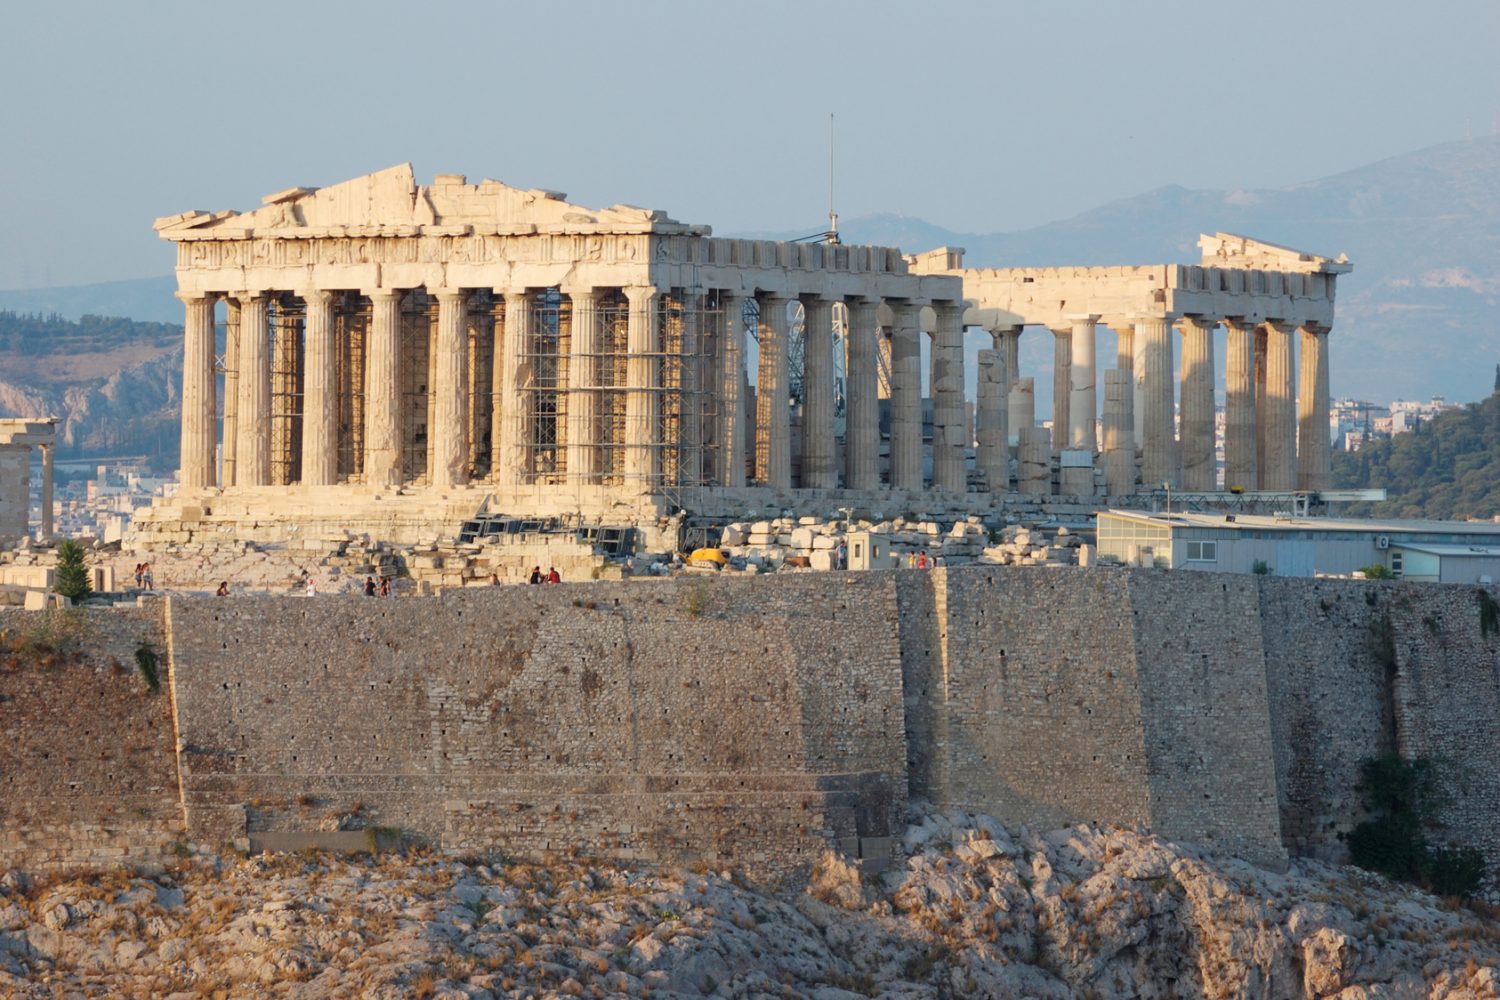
x: 976, y: 910
x: 811, y: 542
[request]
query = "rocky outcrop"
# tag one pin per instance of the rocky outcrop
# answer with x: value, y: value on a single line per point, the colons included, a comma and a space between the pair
x: 977, y: 910
x: 133, y: 410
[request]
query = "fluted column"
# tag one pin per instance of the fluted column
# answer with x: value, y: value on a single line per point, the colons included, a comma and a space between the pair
x: 818, y: 446
x: 1125, y: 364
x: 231, y: 429
x: 1083, y: 401
x: 516, y: 382
x: 690, y: 424
x: 1314, y: 447
x: 1154, y: 349
x: 1241, y: 464
x: 1022, y: 407
x: 906, y: 396
x: 950, y: 439
x: 1198, y: 466
x: 1119, y: 434
x: 731, y: 398
x: 862, y: 415
x: 773, y: 419
x: 319, y: 391
x: 48, y: 474
x: 198, y: 392
x: 449, y: 431
x: 383, y: 389
x: 643, y: 342
x: 991, y: 416
x: 1007, y: 340
x: 1062, y: 387
x: 253, y: 447
x: 1280, y: 416
x: 583, y: 378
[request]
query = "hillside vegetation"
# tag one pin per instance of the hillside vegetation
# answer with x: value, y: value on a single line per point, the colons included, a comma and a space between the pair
x: 1449, y: 467
x: 38, y: 334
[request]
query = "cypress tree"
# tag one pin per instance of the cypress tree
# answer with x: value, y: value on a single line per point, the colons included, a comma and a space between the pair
x: 72, y: 574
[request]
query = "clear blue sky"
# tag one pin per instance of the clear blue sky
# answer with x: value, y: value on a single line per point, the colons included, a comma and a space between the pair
x: 977, y: 116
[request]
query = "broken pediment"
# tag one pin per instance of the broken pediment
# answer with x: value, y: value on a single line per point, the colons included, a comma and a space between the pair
x: 1232, y: 250
x: 392, y: 198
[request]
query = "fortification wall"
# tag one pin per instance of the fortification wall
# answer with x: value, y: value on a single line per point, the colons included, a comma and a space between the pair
x: 747, y: 720
x: 87, y: 768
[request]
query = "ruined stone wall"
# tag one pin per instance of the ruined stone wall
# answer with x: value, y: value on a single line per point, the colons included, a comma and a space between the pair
x: 87, y: 769
x: 746, y: 719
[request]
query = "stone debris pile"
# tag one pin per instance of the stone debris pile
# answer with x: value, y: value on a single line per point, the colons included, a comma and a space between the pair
x: 972, y: 909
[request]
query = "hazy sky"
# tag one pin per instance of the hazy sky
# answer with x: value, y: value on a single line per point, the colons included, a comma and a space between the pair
x: 976, y: 116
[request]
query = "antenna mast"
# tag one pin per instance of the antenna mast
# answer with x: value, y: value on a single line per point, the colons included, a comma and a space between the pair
x: 833, y: 218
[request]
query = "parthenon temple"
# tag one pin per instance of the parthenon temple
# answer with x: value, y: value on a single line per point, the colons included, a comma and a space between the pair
x: 380, y: 349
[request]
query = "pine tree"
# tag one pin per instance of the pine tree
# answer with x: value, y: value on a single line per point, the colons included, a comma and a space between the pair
x: 72, y: 574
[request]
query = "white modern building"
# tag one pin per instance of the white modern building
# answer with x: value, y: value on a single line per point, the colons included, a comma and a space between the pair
x: 1432, y: 551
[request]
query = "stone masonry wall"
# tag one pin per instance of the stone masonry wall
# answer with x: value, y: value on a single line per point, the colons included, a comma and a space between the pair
x: 743, y: 719
x: 87, y: 768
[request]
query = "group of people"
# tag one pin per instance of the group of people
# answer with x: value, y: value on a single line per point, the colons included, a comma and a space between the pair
x: 381, y: 589
x: 919, y: 560
x: 143, y: 579
x: 552, y: 575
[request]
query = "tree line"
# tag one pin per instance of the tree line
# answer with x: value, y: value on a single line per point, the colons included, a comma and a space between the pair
x: 39, y: 334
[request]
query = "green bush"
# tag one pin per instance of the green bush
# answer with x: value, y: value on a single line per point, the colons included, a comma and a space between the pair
x: 1377, y: 571
x: 146, y: 660
x: 1405, y: 798
x: 72, y: 573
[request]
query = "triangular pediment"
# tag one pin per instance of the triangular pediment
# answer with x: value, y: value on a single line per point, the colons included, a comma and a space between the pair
x: 1233, y: 250
x: 392, y: 201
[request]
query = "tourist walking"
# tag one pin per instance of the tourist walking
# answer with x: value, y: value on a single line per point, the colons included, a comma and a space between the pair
x: 140, y: 574
x: 146, y: 575
x: 369, y: 586
x: 223, y: 590
x: 385, y: 586
x: 312, y: 588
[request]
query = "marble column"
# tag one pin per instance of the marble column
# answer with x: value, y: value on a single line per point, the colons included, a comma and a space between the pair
x: 1198, y: 463
x: 517, y: 383
x: 690, y: 408
x: 1280, y: 416
x: 1314, y: 446
x: 773, y: 419
x: 583, y: 379
x: 731, y: 401
x: 1261, y: 406
x: 253, y: 447
x: 819, y: 450
x: 383, y: 451
x: 1007, y: 340
x: 1154, y: 347
x: 1083, y: 399
x: 1022, y: 406
x: 1119, y: 434
x: 1125, y: 364
x: 319, y: 391
x: 642, y: 403
x: 1241, y: 466
x: 906, y: 395
x: 198, y: 392
x: 993, y: 392
x: 1062, y: 387
x: 449, y: 431
x: 230, y: 430
x: 862, y: 417
x: 950, y: 432
x: 49, y: 472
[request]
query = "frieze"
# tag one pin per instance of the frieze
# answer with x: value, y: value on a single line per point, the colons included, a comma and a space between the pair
x: 356, y: 250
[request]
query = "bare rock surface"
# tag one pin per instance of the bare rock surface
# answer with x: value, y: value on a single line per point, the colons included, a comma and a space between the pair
x: 972, y: 909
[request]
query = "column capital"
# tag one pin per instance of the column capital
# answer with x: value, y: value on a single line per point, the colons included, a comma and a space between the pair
x: 1315, y: 328
x: 250, y: 295
x: 1207, y: 322
x: 1081, y: 317
x: 447, y: 292
x: 576, y: 292
x: 640, y: 294
x: 194, y: 297
x: 1136, y: 319
x: 380, y: 294
x: 321, y: 296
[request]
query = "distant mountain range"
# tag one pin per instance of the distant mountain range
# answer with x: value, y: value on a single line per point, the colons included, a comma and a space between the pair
x: 1417, y: 318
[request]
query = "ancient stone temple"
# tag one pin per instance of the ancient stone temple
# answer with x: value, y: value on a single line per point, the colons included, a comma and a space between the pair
x: 391, y: 357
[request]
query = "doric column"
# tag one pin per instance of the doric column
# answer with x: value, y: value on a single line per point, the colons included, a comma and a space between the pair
x: 1314, y: 448
x: 1198, y: 466
x: 1241, y: 466
x: 253, y: 447
x: 231, y: 390
x: 1083, y: 401
x: 862, y: 415
x: 383, y: 389
x: 1119, y: 435
x: 731, y: 400
x: 1261, y: 407
x: 583, y: 378
x: 773, y: 419
x: 1022, y: 406
x: 449, y: 433
x: 1280, y: 417
x: 1125, y: 364
x: 642, y: 405
x: 1154, y: 343
x: 818, y: 446
x: 1007, y: 340
x: 516, y: 383
x: 950, y: 439
x: 991, y: 417
x: 198, y: 392
x: 319, y: 392
x: 906, y: 396
x: 690, y: 408
x: 1062, y: 387
x: 48, y: 472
